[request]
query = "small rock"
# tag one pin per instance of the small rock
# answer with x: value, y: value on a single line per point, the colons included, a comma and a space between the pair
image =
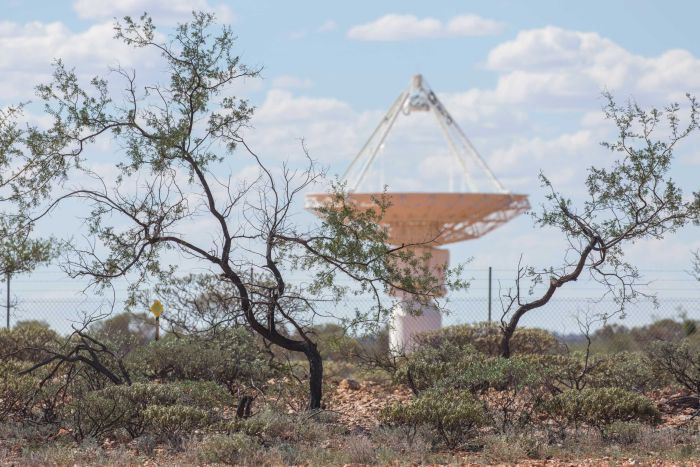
x: 349, y: 384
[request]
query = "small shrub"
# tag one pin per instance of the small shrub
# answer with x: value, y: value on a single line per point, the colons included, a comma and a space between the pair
x: 333, y: 342
x: 631, y: 371
x: 486, y: 338
x: 28, y: 340
x: 516, y: 388
x: 271, y: 426
x: 360, y: 450
x: 392, y: 444
x: 174, y: 420
x: 626, y: 370
x: 453, y: 416
x: 624, y: 433
x: 680, y: 361
x: 429, y: 366
x: 559, y: 372
x: 513, y: 447
x: 226, y: 449
x: 232, y: 359
x: 102, y: 412
x: 125, y: 332
x: 17, y: 392
x: 599, y: 407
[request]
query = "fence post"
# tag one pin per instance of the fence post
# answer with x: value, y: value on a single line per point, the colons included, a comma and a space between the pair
x: 7, y: 282
x: 489, y: 294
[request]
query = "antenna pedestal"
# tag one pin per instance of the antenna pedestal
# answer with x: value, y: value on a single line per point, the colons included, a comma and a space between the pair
x: 410, y: 316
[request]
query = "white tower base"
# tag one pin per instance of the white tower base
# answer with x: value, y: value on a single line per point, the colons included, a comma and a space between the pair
x: 406, y: 323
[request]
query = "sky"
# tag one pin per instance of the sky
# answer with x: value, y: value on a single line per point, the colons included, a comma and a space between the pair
x: 522, y: 79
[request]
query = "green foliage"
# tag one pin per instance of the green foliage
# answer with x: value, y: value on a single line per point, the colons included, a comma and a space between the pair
x: 233, y: 359
x: 230, y: 449
x: 624, y: 433
x: 428, y: 367
x: 680, y: 360
x: 99, y: 413
x: 631, y: 371
x: 17, y: 392
x: 454, y: 416
x: 449, y: 365
x: 125, y: 332
x: 28, y: 341
x: 690, y: 327
x: 510, y: 389
x: 173, y: 420
x: 486, y: 338
x: 19, y: 253
x: 626, y: 370
x: 333, y: 341
x: 599, y: 407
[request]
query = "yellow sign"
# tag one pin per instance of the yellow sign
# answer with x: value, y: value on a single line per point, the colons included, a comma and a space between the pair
x: 157, y: 308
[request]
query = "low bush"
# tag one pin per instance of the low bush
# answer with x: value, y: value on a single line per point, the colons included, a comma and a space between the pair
x: 631, y: 371
x: 624, y: 433
x: 439, y: 365
x: 125, y: 332
x: 233, y: 449
x: 333, y: 342
x: 170, y: 421
x: 680, y: 360
x: 626, y: 370
x: 560, y: 372
x: 17, y: 392
x: 453, y: 416
x: 599, y: 407
x: 28, y: 341
x: 232, y: 359
x: 486, y: 338
x: 122, y: 407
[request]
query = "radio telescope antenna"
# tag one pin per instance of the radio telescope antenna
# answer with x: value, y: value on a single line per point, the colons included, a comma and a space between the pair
x: 426, y: 221
x: 418, y: 97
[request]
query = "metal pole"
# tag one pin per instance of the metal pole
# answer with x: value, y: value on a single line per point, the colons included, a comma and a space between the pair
x: 489, y: 294
x: 7, y: 279
x: 157, y: 327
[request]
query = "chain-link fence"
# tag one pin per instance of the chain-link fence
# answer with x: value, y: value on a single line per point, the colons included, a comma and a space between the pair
x: 562, y: 315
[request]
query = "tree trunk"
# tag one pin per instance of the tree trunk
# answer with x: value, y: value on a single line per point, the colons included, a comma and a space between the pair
x: 505, y: 342
x: 554, y: 284
x: 315, y: 376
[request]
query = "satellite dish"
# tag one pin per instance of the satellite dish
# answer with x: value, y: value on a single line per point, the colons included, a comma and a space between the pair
x: 429, y: 219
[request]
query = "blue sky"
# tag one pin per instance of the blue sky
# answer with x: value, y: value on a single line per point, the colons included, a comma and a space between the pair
x: 523, y: 79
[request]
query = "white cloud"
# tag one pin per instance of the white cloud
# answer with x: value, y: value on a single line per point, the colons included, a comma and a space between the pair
x: 473, y: 25
x: 161, y: 10
x: 560, y: 158
x: 396, y: 27
x: 296, y: 35
x: 28, y: 46
x: 327, y: 26
x: 330, y: 128
x: 555, y: 66
x: 29, y: 49
x: 291, y: 82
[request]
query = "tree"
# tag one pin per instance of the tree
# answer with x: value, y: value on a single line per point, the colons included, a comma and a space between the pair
x: 635, y: 199
x: 21, y: 254
x: 695, y: 261
x: 179, y: 137
x: 124, y: 331
x: 205, y: 303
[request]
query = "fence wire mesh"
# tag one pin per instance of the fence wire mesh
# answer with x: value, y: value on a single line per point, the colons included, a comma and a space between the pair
x: 561, y: 315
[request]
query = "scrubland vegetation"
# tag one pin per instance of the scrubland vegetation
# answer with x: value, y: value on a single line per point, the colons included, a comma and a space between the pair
x: 244, y: 373
x: 631, y: 393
